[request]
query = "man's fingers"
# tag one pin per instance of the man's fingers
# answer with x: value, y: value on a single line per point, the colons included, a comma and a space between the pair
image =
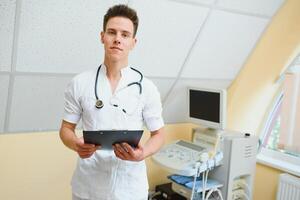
x: 94, y: 148
x: 128, y: 148
x: 87, y: 152
x: 122, y: 149
x: 119, y: 151
x: 86, y: 146
x: 82, y: 147
x: 119, y: 155
x: 85, y: 155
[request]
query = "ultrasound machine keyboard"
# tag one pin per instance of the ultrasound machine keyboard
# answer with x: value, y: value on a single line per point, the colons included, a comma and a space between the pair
x: 180, y: 157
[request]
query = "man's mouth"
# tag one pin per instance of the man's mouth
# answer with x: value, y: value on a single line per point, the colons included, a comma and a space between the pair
x: 117, y: 48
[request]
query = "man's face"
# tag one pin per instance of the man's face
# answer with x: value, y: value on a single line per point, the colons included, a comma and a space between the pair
x: 118, y: 38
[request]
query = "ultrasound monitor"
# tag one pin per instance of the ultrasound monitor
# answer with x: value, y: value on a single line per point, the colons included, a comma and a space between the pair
x: 207, y: 107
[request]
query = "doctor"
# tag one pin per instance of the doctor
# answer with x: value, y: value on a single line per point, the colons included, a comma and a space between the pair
x: 112, y: 96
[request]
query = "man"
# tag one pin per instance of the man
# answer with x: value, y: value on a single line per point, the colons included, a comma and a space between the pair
x: 119, y: 173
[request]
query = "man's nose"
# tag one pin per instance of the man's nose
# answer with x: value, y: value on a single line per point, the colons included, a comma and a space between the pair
x: 117, y: 39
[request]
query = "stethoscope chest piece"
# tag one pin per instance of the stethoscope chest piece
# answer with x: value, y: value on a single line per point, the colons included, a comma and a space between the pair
x: 99, y: 104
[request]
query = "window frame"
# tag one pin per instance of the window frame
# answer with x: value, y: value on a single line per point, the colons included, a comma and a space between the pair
x: 276, y: 159
x: 279, y: 160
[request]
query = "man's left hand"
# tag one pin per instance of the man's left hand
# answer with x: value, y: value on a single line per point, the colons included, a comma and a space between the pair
x: 125, y: 152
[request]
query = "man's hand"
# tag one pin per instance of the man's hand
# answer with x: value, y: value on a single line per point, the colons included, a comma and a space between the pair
x: 125, y: 152
x: 85, y: 150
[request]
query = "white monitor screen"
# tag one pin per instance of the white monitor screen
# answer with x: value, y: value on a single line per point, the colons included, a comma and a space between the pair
x: 207, y: 107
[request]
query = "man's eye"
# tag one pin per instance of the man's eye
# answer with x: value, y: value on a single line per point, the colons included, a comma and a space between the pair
x: 125, y: 35
x: 110, y: 32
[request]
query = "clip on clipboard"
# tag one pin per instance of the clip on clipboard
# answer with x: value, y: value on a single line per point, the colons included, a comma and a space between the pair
x: 106, y: 138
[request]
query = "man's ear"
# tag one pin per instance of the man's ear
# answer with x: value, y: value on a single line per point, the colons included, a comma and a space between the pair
x: 102, y: 36
x: 134, y: 43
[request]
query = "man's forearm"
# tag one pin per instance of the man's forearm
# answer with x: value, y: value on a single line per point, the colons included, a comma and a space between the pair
x: 154, y: 143
x: 68, y: 136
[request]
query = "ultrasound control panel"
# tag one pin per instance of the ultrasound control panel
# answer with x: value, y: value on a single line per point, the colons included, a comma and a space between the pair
x: 180, y: 157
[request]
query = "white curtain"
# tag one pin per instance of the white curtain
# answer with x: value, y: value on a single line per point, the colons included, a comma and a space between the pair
x: 290, y: 114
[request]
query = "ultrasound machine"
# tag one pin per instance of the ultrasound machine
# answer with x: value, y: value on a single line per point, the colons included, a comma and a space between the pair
x: 209, y: 166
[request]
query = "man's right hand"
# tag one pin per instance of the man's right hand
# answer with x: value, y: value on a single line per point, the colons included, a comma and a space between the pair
x: 85, y: 150
x: 69, y: 138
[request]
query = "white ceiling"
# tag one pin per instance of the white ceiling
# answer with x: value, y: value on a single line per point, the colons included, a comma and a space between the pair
x: 259, y: 7
x: 180, y: 42
x: 164, y: 38
x: 223, y: 46
x: 60, y: 36
x: 66, y: 34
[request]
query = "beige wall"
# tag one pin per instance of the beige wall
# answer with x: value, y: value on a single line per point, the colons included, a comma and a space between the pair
x: 35, y: 166
x: 254, y: 88
x: 265, y: 183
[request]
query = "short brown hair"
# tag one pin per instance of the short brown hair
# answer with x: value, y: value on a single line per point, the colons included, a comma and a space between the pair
x: 122, y: 10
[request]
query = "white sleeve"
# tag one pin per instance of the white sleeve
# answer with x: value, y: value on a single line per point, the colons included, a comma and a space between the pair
x: 152, y: 112
x: 72, y: 108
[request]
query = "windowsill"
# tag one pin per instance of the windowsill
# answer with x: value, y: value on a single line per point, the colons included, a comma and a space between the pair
x: 279, y: 161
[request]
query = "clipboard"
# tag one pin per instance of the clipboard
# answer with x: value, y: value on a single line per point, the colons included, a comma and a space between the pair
x: 106, y: 138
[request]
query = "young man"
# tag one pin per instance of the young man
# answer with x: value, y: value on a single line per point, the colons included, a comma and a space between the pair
x: 103, y: 100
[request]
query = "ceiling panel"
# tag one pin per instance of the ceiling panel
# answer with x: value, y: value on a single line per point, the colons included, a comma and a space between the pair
x: 175, y: 107
x: 37, y: 103
x: 167, y: 31
x: 261, y: 7
x: 7, y: 22
x: 61, y: 36
x: 4, y: 82
x: 223, y: 46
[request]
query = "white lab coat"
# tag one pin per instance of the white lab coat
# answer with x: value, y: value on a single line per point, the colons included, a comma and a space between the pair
x: 103, y: 176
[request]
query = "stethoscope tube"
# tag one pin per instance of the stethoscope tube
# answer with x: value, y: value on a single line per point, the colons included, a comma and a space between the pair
x: 99, y: 103
x: 139, y: 82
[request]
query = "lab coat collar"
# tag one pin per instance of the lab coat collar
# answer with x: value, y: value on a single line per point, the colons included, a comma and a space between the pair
x: 124, y: 70
x: 125, y: 76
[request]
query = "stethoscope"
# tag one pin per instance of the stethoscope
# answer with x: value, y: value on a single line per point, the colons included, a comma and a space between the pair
x: 99, y: 103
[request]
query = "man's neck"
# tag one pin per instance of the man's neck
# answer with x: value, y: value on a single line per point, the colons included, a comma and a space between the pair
x: 113, y: 69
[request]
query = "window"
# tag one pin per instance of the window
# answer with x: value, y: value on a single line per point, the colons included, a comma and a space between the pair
x: 281, y: 134
x: 271, y: 137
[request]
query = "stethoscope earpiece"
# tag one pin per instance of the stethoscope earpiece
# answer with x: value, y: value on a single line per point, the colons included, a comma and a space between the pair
x: 99, y: 104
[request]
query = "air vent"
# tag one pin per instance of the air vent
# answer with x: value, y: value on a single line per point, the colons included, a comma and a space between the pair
x: 248, y: 151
